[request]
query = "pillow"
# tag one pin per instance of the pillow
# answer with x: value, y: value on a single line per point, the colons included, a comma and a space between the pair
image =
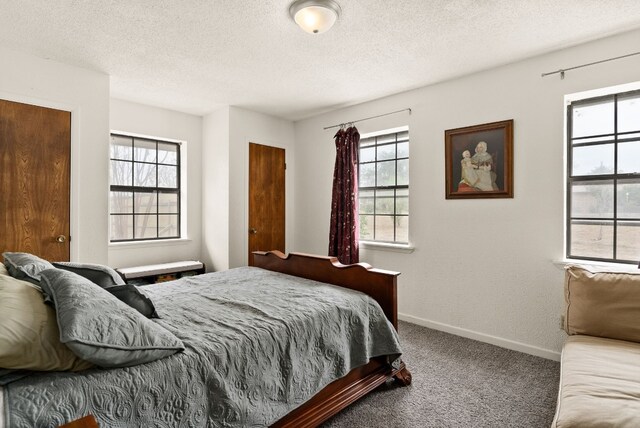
x: 29, y: 336
x: 3, y: 270
x: 135, y: 298
x: 101, y: 329
x: 25, y: 266
x: 604, y: 304
x: 109, y: 279
x: 102, y: 275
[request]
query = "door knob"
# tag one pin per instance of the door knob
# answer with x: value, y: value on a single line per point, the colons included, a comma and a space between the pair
x: 253, y: 231
x: 61, y: 239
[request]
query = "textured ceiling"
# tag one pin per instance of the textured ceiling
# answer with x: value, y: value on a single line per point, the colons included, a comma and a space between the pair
x: 195, y: 55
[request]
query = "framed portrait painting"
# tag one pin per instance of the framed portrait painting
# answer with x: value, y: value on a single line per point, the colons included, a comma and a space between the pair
x: 479, y: 161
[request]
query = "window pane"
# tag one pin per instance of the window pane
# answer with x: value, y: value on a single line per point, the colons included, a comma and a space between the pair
x: 592, y: 199
x: 145, y: 203
x: 388, y: 138
x: 403, y: 150
x: 121, y: 202
x: 605, y: 139
x: 629, y: 199
x: 146, y: 226
x: 628, y: 240
x: 387, y: 152
x: 121, y: 148
x: 386, y: 173
x: 402, y: 201
x: 629, y: 157
x: 384, y: 228
x: 366, y: 227
x: 121, y: 173
x: 592, y: 239
x: 403, y: 136
x: 168, y: 203
x: 593, y: 160
x: 168, y: 176
x: 366, y: 201
x: 168, y: 226
x: 594, y: 118
x: 402, y: 229
x: 367, y: 175
x: 145, y: 175
x: 629, y: 113
x: 144, y: 151
x: 367, y: 142
x: 121, y: 227
x: 367, y: 154
x: 629, y: 137
x: 168, y: 153
x: 384, y: 201
x: 403, y: 172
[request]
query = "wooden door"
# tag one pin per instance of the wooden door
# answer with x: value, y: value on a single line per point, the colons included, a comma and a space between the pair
x: 35, y: 169
x: 266, y: 199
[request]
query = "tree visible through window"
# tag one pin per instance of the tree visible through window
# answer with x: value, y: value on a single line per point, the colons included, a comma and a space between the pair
x: 383, y: 187
x: 603, y: 193
x: 145, y: 188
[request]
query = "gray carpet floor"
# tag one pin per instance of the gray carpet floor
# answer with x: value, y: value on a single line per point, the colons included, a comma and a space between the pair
x: 459, y: 382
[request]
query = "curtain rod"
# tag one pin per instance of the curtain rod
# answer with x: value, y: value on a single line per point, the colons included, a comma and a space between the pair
x: 367, y: 118
x: 562, y: 70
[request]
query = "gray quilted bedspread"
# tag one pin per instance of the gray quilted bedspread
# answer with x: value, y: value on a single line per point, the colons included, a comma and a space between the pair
x: 258, y: 344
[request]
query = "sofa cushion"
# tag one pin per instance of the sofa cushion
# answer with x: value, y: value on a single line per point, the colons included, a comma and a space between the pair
x: 599, y: 383
x: 604, y: 304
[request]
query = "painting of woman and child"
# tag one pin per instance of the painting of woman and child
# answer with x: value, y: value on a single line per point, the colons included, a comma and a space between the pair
x: 479, y: 161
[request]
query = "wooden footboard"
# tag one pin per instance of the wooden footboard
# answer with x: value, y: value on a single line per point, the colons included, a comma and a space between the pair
x: 381, y: 285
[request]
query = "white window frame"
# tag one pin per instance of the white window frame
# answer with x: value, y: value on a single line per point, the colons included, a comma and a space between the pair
x: 392, y: 246
x: 568, y: 101
x: 182, y: 195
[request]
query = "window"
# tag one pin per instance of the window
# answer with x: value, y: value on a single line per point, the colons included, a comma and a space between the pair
x: 384, y: 187
x: 145, y: 189
x: 603, y: 178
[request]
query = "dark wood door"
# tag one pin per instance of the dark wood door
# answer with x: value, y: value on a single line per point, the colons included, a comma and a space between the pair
x: 266, y: 199
x: 35, y: 169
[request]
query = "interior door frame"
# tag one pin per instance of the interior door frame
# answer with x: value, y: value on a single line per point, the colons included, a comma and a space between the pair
x: 245, y: 201
x: 74, y: 201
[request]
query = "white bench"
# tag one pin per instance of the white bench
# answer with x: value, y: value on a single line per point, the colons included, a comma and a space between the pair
x: 156, y: 273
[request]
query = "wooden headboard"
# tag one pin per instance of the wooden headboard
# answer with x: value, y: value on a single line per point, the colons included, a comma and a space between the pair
x: 381, y: 285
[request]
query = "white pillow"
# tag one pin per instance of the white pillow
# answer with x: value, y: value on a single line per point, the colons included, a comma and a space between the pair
x: 29, y: 335
x: 3, y: 270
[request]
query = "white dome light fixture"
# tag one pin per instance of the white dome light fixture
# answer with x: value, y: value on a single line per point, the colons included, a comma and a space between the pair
x: 315, y: 16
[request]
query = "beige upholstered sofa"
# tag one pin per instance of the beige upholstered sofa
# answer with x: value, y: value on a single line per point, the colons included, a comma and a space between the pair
x: 600, y: 364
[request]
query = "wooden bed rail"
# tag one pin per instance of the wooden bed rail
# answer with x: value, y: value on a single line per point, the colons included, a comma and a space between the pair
x: 380, y: 284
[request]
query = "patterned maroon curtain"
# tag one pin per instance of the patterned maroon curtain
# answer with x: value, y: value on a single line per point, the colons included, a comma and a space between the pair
x: 344, y: 231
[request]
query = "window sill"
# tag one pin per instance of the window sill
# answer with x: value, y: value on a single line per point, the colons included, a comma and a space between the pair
x: 396, y: 248
x: 598, y: 266
x: 146, y: 244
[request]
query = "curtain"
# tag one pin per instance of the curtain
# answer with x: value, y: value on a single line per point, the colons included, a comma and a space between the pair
x: 344, y: 231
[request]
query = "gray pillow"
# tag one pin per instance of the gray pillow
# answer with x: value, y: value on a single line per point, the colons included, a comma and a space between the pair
x: 109, y: 279
x: 25, y: 266
x: 101, y: 329
x: 102, y: 275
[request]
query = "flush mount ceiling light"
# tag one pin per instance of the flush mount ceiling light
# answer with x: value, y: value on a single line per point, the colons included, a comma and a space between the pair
x: 315, y: 16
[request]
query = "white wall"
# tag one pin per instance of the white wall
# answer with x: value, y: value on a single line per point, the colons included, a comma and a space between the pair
x: 28, y: 79
x: 481, y: 268
x: 215, y: 190
x: 228, y: 149
x: 161, y: 123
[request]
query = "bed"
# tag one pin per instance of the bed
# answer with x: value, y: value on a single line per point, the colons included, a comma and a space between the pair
x: 228, y: 322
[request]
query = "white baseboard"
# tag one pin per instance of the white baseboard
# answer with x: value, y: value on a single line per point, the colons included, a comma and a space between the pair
x: 498, y: 341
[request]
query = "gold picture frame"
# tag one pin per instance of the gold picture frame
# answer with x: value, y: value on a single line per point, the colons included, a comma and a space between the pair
x: 479, y: 161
